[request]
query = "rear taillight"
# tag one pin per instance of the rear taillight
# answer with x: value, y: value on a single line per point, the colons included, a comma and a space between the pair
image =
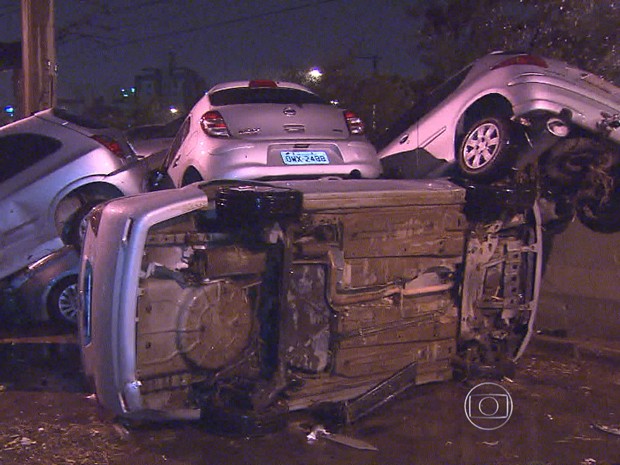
x: 213, y: 124
x: 354, y: 123
x: 522, y: 60
x: 110, y: 144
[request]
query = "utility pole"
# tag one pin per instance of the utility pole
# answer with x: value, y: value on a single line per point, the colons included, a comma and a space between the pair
x: 38, y: 56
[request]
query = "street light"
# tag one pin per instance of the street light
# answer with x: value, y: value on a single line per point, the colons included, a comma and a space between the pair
x: 315, y: 74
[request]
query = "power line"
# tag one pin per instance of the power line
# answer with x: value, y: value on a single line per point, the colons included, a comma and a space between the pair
x: 221, y: 23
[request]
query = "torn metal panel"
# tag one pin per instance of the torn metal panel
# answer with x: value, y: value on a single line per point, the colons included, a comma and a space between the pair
x: 380, y: 394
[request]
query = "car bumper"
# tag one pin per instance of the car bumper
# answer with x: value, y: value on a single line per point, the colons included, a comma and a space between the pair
x: 582, y: 106
x: 108, y: 288
x: 263, y: 160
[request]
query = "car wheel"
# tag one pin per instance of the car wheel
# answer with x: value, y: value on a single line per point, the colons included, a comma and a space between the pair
x: 75, y: 229
x: 485, y: 151
x: 569, y: 162
x: 598, y: 213
x: 63, y: 301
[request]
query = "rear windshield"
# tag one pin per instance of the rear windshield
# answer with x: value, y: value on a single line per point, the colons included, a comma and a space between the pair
x: 78, y: 119
x: 242, y: 95
x: 426, y: 104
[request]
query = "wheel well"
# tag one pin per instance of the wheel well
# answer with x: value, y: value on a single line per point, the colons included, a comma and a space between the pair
x: 493, y: 104
x: 72, y: 202
x: 60, y: 284
x: 191, y: 175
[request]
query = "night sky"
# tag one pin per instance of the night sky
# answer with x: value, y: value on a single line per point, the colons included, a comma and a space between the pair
x: 222, y: 40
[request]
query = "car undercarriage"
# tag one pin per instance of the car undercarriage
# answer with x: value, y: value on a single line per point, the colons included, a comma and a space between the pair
x: 277, y: 300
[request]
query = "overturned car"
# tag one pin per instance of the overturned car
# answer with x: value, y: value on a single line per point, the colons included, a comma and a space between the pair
x: 243, y: 301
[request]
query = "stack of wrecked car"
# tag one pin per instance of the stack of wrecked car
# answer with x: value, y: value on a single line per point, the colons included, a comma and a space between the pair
x: 239, y: 301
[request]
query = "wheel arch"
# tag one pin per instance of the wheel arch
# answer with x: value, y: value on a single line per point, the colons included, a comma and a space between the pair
x: 191, y: 175
x: 489, y: 105
x: 72, y: 201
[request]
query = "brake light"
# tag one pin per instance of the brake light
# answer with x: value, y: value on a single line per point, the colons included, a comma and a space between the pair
x: 522, y: 60
x: 354, y: 123
x: 213, y: 124
x: 262, y: 83
x: 110, y: 144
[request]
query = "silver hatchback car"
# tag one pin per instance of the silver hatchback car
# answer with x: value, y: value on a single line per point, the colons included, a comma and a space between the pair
x: 54, y: 167
x: 269, y: 130
x: 487, y: 116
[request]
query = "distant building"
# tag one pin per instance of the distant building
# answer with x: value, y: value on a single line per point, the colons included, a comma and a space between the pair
x: 175, y: 87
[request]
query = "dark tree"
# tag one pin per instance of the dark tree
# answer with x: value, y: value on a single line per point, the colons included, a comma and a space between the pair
x: 378, y: 98
x: 452, y: 33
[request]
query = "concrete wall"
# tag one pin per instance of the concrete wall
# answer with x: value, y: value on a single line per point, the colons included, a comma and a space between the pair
x: 581, y: 286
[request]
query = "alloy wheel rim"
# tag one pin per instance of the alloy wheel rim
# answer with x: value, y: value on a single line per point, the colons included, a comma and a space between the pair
x: 482, y: 146
x: 68, y: 303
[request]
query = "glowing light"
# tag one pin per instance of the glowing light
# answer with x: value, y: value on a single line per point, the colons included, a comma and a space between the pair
x: 174, y: 110
x: 315, y: 74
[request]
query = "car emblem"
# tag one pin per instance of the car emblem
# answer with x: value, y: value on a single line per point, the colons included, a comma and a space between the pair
x: 249, y: 131
x: 288, y: 111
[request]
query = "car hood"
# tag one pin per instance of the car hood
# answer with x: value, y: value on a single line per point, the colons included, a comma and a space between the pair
x: 280, y: 121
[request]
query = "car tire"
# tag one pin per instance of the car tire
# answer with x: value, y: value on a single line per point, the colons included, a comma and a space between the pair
x: 63, y: 302
x: 485, y: 152
x: 75, y: 229
x: 570, y: 160
x: 597, y: 214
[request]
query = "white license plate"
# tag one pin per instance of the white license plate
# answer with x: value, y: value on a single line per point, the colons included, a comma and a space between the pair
x: 311, y: 157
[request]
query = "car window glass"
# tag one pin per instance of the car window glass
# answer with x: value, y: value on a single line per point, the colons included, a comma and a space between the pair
x: 424, y: 106
x: 177, y: 141
x: 20, y: 151
x: 244, y: 95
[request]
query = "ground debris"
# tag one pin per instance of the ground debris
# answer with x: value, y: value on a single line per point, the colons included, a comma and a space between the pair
x: 50, y: 443
x: 18, y: 441
x: 610, y: 429
x: 577, y: 438
x: 319, y: 431
x: 123, y: 432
